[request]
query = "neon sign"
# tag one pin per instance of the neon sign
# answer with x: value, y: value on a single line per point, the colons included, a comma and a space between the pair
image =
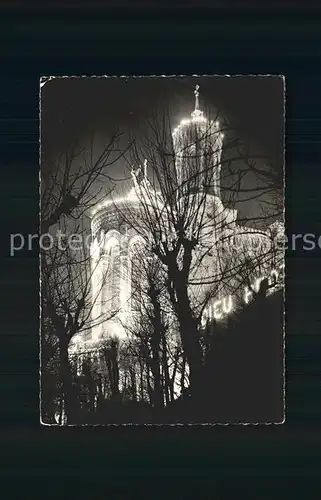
x: 220, y: 308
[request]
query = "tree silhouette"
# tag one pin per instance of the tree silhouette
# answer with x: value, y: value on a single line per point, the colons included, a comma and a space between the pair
x: 79, y: 178
x: 183, y: 220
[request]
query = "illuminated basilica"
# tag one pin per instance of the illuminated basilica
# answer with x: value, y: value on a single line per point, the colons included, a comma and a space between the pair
x: 115, y: 245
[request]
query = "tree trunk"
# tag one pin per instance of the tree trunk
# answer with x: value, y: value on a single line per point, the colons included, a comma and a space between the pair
x: 149, y: 387
x: 111, y: 360
x: 114, y: 373
x: 190, y: 338
x: 157, y: 334
x: 133, y: 384
x: 65, y: 378
x: 172, y: 392
x: 157, y: 389
x: 183, y: 374
x: 165, y: 371
x: 177, y: 286
x: 141, y: 373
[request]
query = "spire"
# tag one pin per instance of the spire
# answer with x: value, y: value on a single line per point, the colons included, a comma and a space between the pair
x: 197, y: 114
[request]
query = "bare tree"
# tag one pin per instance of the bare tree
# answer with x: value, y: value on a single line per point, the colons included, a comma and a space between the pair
x: 148, y: 327
x: 77, y: 180
x: 96, y: 370
x: 181, y: 215
x: 67, y: 299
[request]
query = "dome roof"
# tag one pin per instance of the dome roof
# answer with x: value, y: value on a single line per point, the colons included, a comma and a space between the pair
x: 110, y: 203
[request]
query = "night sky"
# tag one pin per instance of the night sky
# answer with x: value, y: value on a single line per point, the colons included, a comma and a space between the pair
x: 72, y: 108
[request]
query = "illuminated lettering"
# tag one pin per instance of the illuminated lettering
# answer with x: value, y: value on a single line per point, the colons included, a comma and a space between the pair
x: 273, y: 277
x: 247, y: 295
x: 227, y: 304
x: 205, y: 317
x: 257, y: 284
x: 224, y: 306
x: 216, y: 309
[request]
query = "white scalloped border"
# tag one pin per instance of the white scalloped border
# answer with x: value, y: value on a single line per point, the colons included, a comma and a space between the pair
x: 42, y: 81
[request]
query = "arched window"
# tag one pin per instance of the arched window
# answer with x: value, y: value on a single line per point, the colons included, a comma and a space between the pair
x: 111, y: 287
x: 115, y: 278
x: 136, y: 288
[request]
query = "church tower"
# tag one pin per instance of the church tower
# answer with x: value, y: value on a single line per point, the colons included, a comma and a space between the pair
x: 197, y: 145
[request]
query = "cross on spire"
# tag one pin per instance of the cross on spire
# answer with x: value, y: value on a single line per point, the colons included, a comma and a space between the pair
x: 197, y: 114
x: 196, y: 92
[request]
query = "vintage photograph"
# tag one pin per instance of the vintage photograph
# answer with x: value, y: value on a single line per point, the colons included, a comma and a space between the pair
x: 162, y: 250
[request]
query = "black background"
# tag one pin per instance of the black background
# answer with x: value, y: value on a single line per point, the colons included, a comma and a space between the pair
x: 207, y: 462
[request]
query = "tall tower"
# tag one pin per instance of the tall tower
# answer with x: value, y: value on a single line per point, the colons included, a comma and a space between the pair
x: 197, y: 145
